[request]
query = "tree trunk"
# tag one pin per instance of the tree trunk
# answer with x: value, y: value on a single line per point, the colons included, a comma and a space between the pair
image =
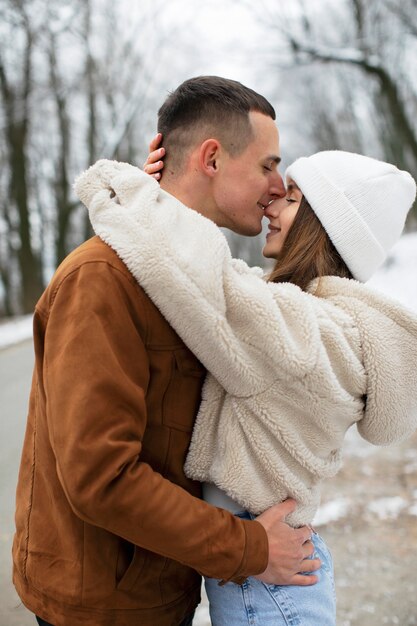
x: 92, y: 107
x: 17, y: 122
x: 29, y: 262
x: 65, y: 206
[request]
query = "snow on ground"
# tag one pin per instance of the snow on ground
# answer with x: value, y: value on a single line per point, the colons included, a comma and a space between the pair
x: 388, y: 508
x: 19, y: 329
x: 398, y: 277
x: 381, y: 508
x: 332, y: 511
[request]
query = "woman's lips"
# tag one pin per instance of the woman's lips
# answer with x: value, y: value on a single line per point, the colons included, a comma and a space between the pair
x: 273, y: 230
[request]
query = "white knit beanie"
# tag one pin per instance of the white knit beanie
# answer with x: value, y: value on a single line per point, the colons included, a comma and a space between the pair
x: 361, y: 202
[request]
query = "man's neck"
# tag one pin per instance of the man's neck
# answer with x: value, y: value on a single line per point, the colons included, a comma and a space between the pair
x: 190, y: 194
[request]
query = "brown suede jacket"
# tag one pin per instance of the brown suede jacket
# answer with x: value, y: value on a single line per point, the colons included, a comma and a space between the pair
x: 110, y: 532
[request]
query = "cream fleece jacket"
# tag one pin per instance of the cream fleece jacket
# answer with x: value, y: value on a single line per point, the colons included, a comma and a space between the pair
x: 290, y: 371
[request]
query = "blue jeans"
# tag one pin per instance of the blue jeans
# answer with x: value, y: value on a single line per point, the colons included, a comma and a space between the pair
x: 258, y: 604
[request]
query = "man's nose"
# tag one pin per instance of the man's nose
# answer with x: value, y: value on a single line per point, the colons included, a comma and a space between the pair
x: 277, y: 187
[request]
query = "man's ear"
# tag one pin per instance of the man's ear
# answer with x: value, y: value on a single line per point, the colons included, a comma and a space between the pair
x: 209, y: 156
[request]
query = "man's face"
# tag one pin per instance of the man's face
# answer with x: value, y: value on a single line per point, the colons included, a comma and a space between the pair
x: 245, y: 185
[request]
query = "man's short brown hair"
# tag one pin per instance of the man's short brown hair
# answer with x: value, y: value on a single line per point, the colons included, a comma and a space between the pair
x: 208, y: 106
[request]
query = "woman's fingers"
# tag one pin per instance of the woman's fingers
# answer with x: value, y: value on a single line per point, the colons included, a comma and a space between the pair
x: 154, y: 156
x: 155, y: 142
x: 155, y: 150
x: 153, y: 167
x: 153, y: 164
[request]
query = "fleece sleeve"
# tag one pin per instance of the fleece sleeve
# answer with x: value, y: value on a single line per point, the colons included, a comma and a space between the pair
x: 244, y: 330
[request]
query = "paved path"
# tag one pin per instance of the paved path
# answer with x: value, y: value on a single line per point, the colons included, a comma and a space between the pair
x: 16, y: 365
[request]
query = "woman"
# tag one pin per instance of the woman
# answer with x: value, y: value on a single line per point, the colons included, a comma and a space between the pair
x: 295, y: 360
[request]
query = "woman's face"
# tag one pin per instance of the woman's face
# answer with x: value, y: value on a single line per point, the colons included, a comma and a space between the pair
x: 281, y: 214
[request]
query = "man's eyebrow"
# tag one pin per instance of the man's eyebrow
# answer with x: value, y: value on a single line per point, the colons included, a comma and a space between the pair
x: 274, y: 159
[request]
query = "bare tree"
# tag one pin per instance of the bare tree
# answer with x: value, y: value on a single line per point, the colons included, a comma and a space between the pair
x: 352, y: 71
x: 77, y: 79
x: 400, y: 141
x: 64, y: 202
x: 16, y: 94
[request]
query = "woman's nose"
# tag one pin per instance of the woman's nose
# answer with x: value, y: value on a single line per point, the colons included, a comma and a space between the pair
x: 273, y: 209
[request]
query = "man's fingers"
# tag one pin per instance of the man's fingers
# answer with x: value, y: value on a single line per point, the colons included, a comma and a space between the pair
x: 308, y: 549
x: 303, y: 580
x: 278, y: 511
x: 303, y: 534
x: 310, y: 565
x: 286, y: 507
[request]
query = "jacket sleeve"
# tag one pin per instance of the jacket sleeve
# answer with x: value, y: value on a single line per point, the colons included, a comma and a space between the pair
x: 244, y: 330
x: 389, y: 347
x: 97, y: 373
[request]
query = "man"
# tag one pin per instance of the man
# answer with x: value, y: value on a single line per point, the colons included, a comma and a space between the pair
x: 110, y: 532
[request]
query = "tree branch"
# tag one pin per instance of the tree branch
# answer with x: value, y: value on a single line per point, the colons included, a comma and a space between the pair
x: 372, y: 66
x: 5, y: 90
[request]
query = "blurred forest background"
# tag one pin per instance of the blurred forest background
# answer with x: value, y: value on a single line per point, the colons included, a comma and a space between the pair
x: 83, y: 79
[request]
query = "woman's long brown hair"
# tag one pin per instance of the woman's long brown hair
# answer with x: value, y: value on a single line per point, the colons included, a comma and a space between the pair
x: 307, y: 252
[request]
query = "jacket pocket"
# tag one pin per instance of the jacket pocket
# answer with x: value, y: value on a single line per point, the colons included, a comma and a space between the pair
x: 182, y: 398
x: 130, y: 563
